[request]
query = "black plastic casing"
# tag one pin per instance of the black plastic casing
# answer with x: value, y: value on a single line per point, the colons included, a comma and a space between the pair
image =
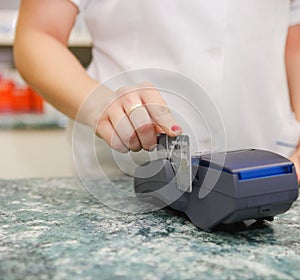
x: 252, y: 184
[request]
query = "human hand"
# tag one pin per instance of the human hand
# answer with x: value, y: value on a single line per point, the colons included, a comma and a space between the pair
x: 133, y: 119
x: 295, y: 158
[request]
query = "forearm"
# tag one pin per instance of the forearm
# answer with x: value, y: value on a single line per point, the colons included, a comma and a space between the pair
x: 48, y: 65
x: 292, y: 59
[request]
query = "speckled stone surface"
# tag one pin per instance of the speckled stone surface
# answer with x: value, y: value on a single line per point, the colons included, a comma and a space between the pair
x: 53, y: 229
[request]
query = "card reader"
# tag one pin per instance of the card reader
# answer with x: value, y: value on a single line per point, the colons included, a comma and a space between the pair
x: 251, y: 183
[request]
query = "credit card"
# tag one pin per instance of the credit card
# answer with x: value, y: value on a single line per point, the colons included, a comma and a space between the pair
x: 177, y: 151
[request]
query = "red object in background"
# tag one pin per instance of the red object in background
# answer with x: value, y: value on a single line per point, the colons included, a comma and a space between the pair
x: 6, y: 96
x: 37, y: 102
x: 21, y: 100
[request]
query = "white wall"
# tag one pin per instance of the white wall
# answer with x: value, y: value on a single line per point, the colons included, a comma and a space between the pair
x: 34, y: 153
x: 9, y: 4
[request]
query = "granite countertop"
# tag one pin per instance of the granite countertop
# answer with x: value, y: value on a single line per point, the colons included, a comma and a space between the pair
x: 54, y: 229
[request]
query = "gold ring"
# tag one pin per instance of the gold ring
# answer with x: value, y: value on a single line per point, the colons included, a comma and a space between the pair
x: 134, y: 107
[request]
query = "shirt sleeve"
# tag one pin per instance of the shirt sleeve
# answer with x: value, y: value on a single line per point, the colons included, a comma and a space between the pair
x: 80, y: 3
x: 295, y: 12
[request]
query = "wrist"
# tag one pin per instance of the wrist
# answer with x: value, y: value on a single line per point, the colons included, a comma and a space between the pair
x: 94, y: 105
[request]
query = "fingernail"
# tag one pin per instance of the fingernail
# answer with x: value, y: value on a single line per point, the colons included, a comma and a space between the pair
x: 176, y: 128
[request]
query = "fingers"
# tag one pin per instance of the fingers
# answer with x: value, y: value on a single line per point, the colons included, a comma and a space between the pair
x: 124, y: 128
x: 122, y: 134
x: 159, y: 111
x: 106, y: 131
x: 132, y: 121
x: 140, y: 120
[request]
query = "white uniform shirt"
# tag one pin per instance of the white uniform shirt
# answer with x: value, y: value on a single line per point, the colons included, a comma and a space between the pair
x: 234, y: 48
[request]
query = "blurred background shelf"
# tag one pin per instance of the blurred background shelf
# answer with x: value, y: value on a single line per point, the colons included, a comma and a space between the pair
x: 80, y: 42
x: 34, y: 145
x: 79, y: 37
x: 33, y: 121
